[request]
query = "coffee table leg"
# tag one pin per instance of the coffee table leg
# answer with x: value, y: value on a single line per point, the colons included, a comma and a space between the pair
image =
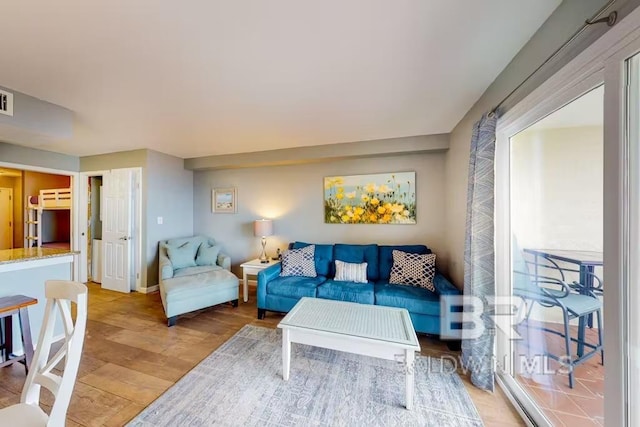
x: 409, y: 358
x: 286, y: 354
x: 245, y: 286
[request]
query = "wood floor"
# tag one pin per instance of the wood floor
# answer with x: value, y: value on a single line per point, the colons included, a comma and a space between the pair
x: 131, y: 357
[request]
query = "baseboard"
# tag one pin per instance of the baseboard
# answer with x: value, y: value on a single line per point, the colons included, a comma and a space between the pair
x: 148, y: 289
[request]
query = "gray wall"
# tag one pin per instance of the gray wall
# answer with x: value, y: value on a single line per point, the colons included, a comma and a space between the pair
x: 170, y: 196
x: 122, y: 159
x: 16, y: 154
x: 293, y: 197
x: 167, y: 191
x: 565, y: 20
x: 33, y: 117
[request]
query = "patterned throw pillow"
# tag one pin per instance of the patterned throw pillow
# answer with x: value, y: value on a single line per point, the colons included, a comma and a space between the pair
x: 299, y: 262
x: 413, y: 270
x: 350, y: 272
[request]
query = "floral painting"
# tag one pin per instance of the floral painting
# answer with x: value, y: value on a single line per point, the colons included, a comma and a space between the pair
x: 387, y: 198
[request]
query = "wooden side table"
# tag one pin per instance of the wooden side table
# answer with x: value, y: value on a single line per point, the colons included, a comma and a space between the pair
x: 16, y: 304
x: 253, y: 267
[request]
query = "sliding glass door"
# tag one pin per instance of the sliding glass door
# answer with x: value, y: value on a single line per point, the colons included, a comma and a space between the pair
x: 568, y: 239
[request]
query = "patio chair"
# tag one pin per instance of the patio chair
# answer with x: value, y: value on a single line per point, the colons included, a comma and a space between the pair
x: 552, y: 292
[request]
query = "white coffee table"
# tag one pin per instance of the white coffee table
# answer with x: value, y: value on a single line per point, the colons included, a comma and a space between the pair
x: 253, y: 267
x: 370, y: 330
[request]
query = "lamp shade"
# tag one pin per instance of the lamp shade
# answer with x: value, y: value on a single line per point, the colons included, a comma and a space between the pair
x: 262, y: 227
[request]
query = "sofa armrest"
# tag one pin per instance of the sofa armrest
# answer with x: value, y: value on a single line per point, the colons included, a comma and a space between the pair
x: 224, y: 261
x: 165, y: 268
x: 264, y: 277
x: 444, y: 286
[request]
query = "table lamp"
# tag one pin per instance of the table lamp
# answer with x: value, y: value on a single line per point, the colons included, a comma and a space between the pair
x: 263, y: 228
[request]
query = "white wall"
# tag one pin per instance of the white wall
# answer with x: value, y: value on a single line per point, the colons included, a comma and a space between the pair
x: 293, y: 197
x: 557, y: 178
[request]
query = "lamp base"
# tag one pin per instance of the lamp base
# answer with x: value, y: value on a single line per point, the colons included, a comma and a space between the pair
x: 264, y: 259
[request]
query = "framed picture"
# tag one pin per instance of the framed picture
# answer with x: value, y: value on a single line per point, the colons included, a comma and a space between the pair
x: 384, y: 198
x: 223, y: 200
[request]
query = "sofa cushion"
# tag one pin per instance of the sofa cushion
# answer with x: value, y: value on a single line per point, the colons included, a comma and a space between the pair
x: 385, y: 253
x: 299, y: 262
x: 190, y: 271
x: 323, y: 257
x: 196, y: 240
x: 413, y: 269
x: 183, y: 255
x: 193, y: 286
x: 358, y: 254
x: 347, y: 291
x: 294, y: 286
x: 208, y: 254
x: 351, y: 272
x: 416, y: 300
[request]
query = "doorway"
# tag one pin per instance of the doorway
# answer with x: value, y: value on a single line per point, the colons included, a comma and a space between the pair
x: 6, y: 218
x: 111, y: 240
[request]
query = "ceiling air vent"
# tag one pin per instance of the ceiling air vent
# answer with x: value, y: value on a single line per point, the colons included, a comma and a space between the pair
x: 6, y: 103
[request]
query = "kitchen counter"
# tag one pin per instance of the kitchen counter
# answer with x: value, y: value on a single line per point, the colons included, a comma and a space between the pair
x: 29, y: 254
x: 24, y: 271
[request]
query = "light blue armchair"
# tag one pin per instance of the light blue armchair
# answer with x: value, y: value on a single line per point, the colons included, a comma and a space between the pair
x: 194, y: 274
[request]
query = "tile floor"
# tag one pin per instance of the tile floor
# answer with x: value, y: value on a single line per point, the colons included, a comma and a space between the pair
x: 582, y: 405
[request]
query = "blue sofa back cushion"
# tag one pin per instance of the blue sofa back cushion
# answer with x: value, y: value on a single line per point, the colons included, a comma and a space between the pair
x: 323, y: 257
x: 386, y: 257
x: 358, y: 254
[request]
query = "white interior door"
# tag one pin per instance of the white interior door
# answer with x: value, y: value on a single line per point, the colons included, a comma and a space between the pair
x: 116, y: 229
x: 6, y: 218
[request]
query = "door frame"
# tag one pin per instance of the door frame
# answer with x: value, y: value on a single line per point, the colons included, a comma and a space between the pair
x: 74, y: 220
x: 602, y: 62
x: 13, y: 222
x: 137, y: 224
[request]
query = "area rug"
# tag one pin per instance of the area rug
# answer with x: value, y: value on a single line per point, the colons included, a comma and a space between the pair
x: 240, y: 384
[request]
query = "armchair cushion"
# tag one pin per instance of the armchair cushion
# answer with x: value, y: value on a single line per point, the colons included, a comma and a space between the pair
x: 182, y: 256
x: 189, y: 271
x: 208, y: 254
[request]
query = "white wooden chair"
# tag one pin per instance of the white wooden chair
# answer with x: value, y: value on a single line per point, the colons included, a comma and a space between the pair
x: 28, y: 412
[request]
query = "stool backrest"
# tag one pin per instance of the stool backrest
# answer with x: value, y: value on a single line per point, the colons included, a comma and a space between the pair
x: 60, y: 294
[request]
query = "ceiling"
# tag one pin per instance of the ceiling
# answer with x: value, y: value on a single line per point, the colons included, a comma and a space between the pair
x: 588, y: 110
x: 209, y: 77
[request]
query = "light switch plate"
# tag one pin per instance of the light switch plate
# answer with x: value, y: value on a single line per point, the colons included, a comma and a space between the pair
x: 160, y: 220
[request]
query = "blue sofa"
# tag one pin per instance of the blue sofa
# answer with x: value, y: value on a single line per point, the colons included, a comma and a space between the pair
x: 280, y: 294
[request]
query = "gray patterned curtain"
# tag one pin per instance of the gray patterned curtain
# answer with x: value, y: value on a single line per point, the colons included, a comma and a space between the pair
x: 479, y: 275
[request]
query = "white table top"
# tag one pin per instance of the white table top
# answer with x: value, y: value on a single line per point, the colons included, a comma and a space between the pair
x: 256, y: 263
x: 359, y: 320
